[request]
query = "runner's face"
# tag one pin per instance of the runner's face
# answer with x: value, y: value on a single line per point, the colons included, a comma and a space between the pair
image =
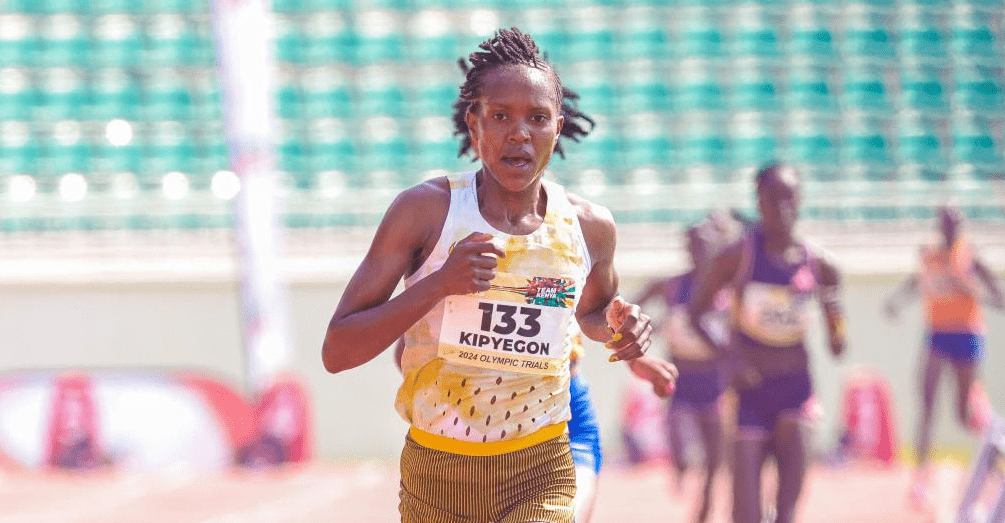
x: 778, y: 201
x: 515, y: 124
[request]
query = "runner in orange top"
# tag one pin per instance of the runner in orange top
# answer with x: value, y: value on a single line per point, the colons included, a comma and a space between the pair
x: 947, y: 280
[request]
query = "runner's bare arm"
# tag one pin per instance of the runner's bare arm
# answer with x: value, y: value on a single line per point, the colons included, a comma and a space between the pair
x: 906, y: 290
x: 709, y: 283
x: 996, y: 298
x: 367, y: 320
x: 830, y: 290
x: 601, y: 309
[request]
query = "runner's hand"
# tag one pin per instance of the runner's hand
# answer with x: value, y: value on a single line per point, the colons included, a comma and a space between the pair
x: 470, y: 267
x: 631, y: 330
x: 661, y: 373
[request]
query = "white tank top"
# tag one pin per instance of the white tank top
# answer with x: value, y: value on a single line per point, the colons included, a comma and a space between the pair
x: 494, y: 366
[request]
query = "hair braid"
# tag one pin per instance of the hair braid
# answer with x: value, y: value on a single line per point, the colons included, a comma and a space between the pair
x: 512, y: 47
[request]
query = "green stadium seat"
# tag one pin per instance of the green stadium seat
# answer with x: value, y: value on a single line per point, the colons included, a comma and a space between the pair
x: 166, y: 96
x: 869, y: 33
x: 168, y: 146
x: 753, y: 87
x: 923, y: 89
x: 701, y: 40
x: 18, y: 94
x: 642, y: 36
x: 20, y: 149
x: 113, y: 93
x: 377, y: 38
x: 867, y: 142
x: 328, y: 38
x: 865, y: 88
x: 290, y: 40
x: 696, y: 87
x: 289, y: 98
x: 752, y: 34
x: 919, y: 143
x: 974, y: 40
x: 435, y: 94
x: 63, y: 43
x: 924, y: 41
x: 116, y: 41
x: 703, y: 145
x: 19, y: 40
x: 647, y: 142
x: 975, y: 141
x: 980, y: 88
x: 62, y: 95
x: 809, y: 86
x: 814, y: 42
x: 171, y: 40
x: 326, y: 93
x: 752, y: 140
x: 591, y: 44
x: 114, y: 159
x: 329, y: 146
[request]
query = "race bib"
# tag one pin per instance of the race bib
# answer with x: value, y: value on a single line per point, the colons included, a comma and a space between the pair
x: 518, y: 325
x: 774, y: 314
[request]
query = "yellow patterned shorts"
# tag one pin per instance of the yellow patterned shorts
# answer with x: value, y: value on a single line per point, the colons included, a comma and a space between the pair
x: 537, y: 483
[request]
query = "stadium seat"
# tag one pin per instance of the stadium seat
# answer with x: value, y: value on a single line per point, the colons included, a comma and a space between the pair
x: 20, y: 149
x: 326, y: 92
x: 62, y: 94
x: 753, y: 33
x: 65, y: 148
x: 809, y: 86
x: 171, y: 40
x: 919, y: 143
x: 290, y: 40
x: 18, y: 94
x: 703, y: 143
x: 697, y: 87
x: 377, y: 38
x: 329, y: 147
x: 378, y: 92
x: 924, y: 40
x: 867, y: 34
x: 113, y: 93
x: 642, y: 35
x: 116, y: 41
x: 980, y: 88
x: 165, y: 96
x: 167, y: 146
x: 811, y: 140
x: 647, y: 142
x: 752, y: 139
x: 923, y: 88
x: 972, y: 36
x: 865, y: 88
x: 63, y: 41
x: 975, y: 142
x: 866, y: 141
x: 432, y: 37
x: 753, y: 87
x: 328, y: 39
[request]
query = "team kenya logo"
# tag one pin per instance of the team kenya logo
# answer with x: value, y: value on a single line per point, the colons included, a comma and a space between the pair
x: 549, y: 292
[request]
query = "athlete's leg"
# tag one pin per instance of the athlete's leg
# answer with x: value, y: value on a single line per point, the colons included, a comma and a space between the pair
x: 710, y: 425
x: 790, y: 449
x: 750, y: 451
x: 677, y: 440
x: 931, y: 374
x: 966, y: 375
x: 586, y: 493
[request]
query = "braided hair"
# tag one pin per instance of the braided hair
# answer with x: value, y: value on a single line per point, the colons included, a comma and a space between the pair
x: 513, y: 47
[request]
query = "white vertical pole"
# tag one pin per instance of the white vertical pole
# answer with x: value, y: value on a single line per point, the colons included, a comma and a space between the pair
x: 246, y: 66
